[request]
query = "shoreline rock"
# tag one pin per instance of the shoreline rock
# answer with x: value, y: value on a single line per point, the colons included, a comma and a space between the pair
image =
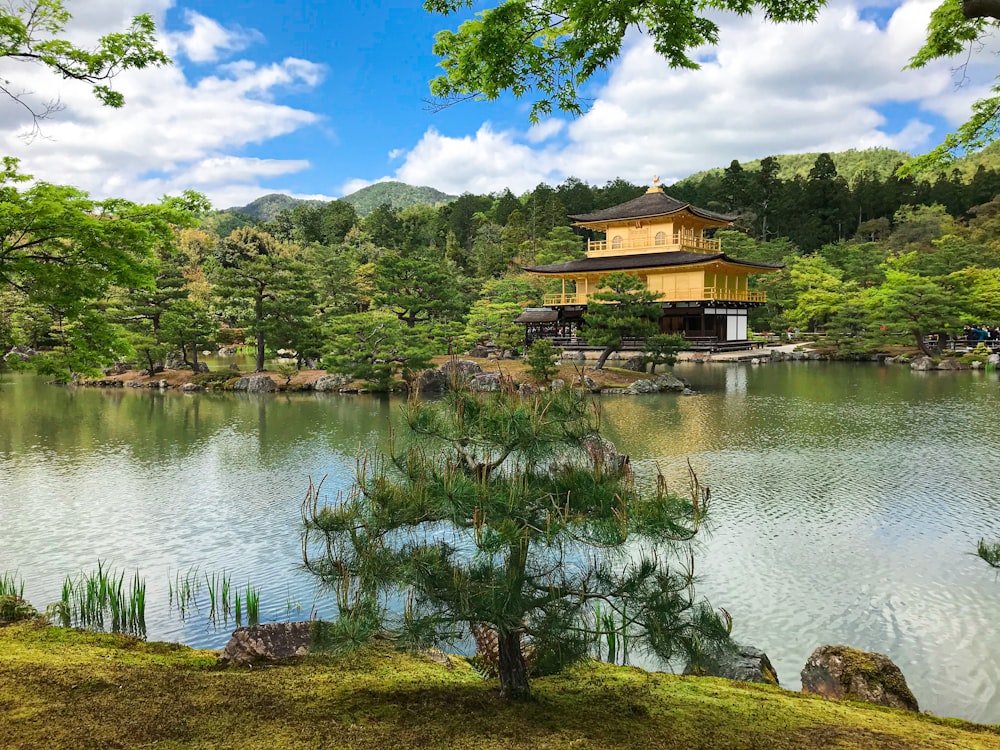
x: 841, y: 672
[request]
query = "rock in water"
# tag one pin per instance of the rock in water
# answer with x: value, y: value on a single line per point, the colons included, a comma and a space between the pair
x: 922, y: 364
x: 841, y: 672
x: 642, y: 386
x: 330, y: 382
x: 667, y: 382
x: 255, y: 384
x: 276, y: 640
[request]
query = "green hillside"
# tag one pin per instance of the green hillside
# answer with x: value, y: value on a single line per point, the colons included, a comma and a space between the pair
x: 881, y: 161
x: 397, y: 195
x: 268, y: 206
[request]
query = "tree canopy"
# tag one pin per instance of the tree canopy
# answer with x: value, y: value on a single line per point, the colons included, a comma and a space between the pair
x: 547, y: 49
x: 958, y: 27
x: 32, y: 32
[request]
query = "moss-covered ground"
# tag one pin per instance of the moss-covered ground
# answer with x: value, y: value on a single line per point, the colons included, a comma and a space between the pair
x: 66, y: 689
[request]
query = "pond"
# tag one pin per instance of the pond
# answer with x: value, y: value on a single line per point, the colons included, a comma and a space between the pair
x: 847, y: 500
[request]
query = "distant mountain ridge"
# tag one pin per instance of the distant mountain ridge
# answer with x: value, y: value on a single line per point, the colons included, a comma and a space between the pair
x: 267, y: 207
x: 881, y: 161
x: 397, y: 194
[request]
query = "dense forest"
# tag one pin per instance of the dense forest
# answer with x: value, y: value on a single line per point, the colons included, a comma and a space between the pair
x: 870, y: 259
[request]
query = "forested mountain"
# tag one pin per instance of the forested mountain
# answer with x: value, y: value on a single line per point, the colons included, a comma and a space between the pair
x: 849, y: 164
x: 396, y: 194
x: 269, y: 206
x: 367, y: 199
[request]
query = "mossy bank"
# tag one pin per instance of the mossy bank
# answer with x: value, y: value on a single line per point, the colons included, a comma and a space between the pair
x: 68, y: 689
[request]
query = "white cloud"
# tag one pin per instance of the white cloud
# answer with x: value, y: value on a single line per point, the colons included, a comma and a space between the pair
x: 175, y: 133
x: 766, y: 89
x: 207, y: 40
x: 482, y: 163
x: 545, y: 130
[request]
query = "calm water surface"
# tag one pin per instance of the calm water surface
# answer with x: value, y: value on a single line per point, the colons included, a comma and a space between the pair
x: 847, y: 500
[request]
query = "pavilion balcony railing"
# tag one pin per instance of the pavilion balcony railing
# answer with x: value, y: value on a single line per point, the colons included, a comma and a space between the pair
x: 676, y: 241
x: 709, y: 293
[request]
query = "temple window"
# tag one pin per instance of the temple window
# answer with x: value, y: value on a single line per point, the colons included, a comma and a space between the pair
x: 660, y: 238
x: 616, y: 242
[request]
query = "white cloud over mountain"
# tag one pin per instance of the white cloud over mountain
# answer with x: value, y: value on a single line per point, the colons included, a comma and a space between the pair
x: 175, y: 133
x: 209, y: 121
x: 767, y: 89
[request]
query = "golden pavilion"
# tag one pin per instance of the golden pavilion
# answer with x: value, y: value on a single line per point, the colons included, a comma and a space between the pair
x: 705, y: 294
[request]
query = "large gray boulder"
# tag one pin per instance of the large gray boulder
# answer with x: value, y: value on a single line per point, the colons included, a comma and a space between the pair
x: 485, y: 382
x: 271, y: 642
x: 841, y: 672
x: 460, y: 370
x: 527, y: 389
x: 635, y: 364
x: 922, y: 364
x: 174, y: 361
x: 949, y: 363
x: 20, y: 353
x: 603, y: 454
x: 641, y: 387
x: 431, y: 381
x: 255, y: 384
x: 745, y: 664
x: 330, y: 382
x: 667, y: 382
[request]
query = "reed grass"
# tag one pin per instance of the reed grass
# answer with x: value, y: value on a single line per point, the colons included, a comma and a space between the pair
x: 213, y: 593
x: 610, y: 636
x: 11, y: 584
x: 100, y: 601
x: 184, y: 591
x: 253, y: 605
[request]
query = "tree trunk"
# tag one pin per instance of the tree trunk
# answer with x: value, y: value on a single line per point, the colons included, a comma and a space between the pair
x: 922, y: 343
x: 259, y: 320
x: 260, y: 352
x: 604, y: 357
x: 512, y: 667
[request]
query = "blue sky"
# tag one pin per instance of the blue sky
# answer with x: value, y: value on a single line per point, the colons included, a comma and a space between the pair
x: 318, y: 99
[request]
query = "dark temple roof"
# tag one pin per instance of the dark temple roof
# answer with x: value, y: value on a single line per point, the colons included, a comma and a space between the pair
x: 537, y: 315
x: 653, y: 203
x: 644, y: 260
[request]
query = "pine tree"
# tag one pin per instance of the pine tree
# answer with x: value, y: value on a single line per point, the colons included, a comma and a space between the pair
x: 513, y: 514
